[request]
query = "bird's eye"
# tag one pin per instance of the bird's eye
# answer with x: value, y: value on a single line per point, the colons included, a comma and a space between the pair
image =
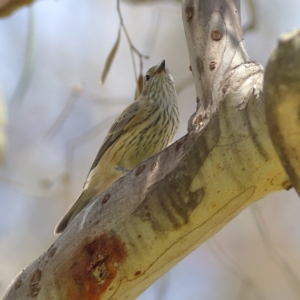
x: 147, y: 77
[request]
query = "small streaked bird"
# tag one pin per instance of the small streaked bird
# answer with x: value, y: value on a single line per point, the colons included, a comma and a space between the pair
x: 143, y: 129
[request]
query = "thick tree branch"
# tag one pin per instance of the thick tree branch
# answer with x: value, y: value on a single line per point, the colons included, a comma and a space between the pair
x: 156, y: 215
x: 282, y: 93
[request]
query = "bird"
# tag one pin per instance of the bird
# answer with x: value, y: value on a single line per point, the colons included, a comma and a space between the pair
x: 143, y: 129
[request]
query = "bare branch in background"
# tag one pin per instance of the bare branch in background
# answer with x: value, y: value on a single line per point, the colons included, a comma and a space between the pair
x: 58, y: 123
x: 133, y: 49
x: 99, y: 100
x: 27, y: 69
x: 9, y: 6
x: 79, y: 90
x: 42, y: 191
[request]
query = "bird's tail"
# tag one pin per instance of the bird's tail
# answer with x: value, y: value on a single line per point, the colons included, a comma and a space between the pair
x: 82, y: 201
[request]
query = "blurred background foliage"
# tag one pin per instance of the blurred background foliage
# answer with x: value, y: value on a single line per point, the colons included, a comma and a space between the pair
x: 54, y: 114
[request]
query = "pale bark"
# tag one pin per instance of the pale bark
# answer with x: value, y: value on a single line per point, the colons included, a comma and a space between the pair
x: 157, y: 214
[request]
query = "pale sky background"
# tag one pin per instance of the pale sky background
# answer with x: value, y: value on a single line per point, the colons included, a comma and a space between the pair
x: 256, y: 256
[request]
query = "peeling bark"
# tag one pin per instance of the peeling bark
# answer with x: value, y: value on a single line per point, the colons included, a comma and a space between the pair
x: 150, y: 219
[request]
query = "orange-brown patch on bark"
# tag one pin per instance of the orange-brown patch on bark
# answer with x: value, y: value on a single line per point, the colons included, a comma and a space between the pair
x: 96, y: 266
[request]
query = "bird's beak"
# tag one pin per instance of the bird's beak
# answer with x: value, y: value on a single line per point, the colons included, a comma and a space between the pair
x: 162, y: 67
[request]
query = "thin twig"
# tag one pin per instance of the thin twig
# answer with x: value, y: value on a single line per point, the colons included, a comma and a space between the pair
x: 27, y: 70
x: 133, y: 49
x: 78, y: 89
x: 33, y: 192
x: 105, y: 101
x: 58, y: 123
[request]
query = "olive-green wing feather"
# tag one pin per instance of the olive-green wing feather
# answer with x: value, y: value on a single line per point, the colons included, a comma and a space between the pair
x: 116, y: 130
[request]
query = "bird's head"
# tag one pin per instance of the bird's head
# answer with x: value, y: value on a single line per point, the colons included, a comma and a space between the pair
x: 158, y: 82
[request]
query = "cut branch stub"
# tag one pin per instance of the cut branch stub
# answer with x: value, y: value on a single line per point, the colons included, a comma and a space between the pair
x: 282, y: 103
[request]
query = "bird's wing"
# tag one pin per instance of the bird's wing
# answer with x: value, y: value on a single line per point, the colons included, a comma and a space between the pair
x: 116, y: 130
